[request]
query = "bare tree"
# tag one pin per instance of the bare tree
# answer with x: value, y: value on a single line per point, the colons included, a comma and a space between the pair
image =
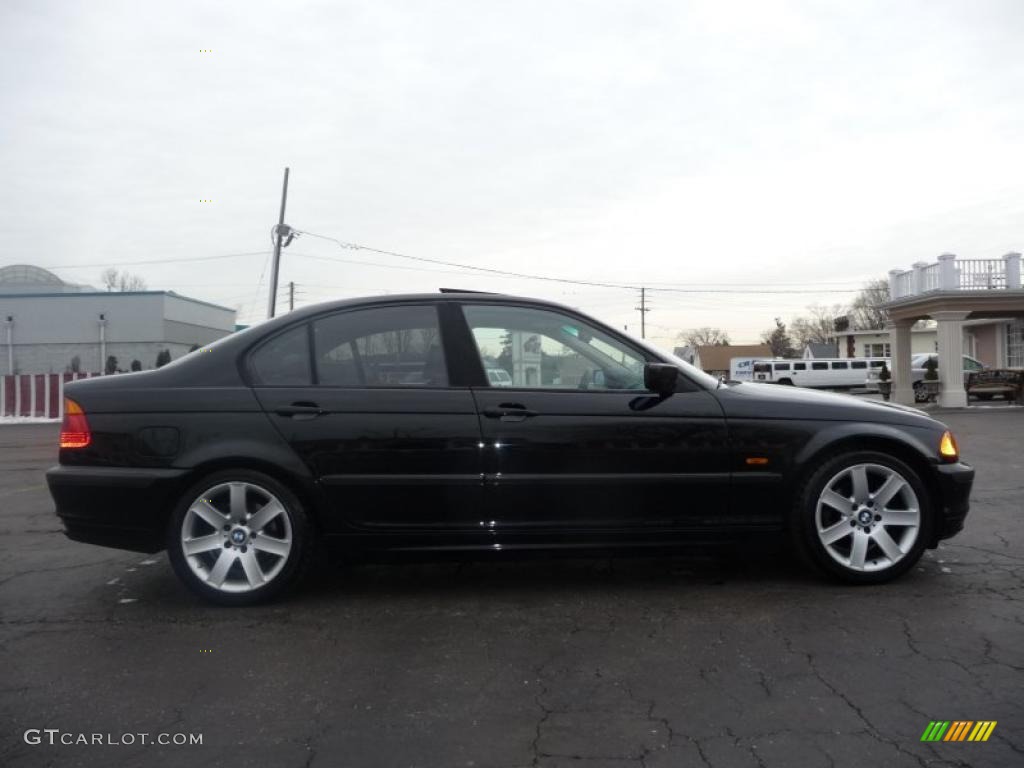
x: 113, y: 280
x: 704, y: 337
x: 866, y: 311
x: 818, y: 325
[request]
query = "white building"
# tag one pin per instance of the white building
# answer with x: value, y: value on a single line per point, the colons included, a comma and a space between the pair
x: 50, y: 326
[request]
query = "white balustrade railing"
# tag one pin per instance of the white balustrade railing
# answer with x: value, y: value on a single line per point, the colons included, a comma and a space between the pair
x: 952, y: 274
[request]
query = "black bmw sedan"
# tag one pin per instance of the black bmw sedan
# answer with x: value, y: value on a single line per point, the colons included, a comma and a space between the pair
x: 471, y: 422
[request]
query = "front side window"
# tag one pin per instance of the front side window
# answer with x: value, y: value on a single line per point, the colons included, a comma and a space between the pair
x: 541, y: 349
x: 380, y: 347
x: 283, y: 360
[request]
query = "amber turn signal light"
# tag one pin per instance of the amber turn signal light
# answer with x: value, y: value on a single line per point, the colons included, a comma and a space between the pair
x: 74, y: 429
x: 948, y: 448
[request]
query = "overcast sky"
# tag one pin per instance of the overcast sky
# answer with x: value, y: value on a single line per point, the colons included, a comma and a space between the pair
x: 752, y: 145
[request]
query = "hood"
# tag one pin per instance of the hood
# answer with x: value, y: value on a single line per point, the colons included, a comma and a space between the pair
x: 748, y: 400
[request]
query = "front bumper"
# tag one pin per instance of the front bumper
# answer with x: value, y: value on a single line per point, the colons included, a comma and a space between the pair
x: 953, y: 502
x: 119, y: 507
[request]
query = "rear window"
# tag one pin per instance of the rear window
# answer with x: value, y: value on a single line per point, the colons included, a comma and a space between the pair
x: 283, y: 361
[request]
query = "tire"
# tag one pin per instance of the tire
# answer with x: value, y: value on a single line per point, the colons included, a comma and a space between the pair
x: 265, y: 557
x: 786, y: 382
x: 920, y: 393
x: 852, y: 544
x: 985, y: 396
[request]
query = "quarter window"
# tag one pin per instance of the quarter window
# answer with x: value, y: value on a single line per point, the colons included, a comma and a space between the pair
x: 541, y: 349
x: 283, y: 361
x: 380, y: 347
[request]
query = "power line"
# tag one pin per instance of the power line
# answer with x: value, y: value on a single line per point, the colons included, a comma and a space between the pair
x: 157, y: 261
x: 547, y: 278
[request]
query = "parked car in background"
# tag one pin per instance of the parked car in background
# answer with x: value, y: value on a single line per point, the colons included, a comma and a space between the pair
x: 742, y: 368
x: 917, y: 371
x: 832, y: 373
x: 499, y: 377
x: 372, y: 425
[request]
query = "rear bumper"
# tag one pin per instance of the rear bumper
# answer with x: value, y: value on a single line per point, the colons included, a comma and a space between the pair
x: 954, y: 484
x: 125, y: 508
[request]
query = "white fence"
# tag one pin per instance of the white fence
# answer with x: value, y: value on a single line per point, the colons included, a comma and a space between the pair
x: 35, y: 395
x: 952, y: 274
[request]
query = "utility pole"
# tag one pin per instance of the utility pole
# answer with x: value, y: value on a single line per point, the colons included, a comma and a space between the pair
x: 279, y: 232
x: 643, y: 309
x: 291, y: 296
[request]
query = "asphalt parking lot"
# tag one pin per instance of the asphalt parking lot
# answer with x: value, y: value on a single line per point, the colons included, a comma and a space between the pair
x: 710, y: 659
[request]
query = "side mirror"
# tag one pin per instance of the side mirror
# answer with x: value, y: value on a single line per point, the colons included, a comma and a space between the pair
x: 661, y: 378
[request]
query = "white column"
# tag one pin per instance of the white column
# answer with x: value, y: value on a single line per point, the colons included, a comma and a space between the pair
x: 46, y: 394
x: 951, y: 361
x: 32, y: 395
x: 893, y: 280
x: 1012, y: 270
x: 3, y: 396
x: 919, y: 267
x: 899, y: 363
x: 949, y: 280
x: 17, y: 395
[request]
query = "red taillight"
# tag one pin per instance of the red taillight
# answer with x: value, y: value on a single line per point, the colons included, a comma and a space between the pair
x: 74, y: 430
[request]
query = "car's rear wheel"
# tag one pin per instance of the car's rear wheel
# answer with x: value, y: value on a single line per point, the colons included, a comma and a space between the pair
x: 239, y: 537
x: 863, y: 517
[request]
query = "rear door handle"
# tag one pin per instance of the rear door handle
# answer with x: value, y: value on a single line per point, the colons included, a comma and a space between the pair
x: 300, y: 410
x: 509, y: 412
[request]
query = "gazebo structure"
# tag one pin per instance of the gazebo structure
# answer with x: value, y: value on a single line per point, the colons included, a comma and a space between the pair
x: 949, y: 291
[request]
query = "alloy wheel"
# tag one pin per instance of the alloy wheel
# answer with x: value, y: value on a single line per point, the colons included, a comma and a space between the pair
x: 868, y: 517
x: 236, y: 537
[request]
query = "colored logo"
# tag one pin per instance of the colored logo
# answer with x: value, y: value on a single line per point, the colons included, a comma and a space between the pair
x: 958, y: 730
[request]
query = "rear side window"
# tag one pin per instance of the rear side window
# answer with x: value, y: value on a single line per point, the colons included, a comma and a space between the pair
x: 819, y: 366
x: 839, y: 366
x: 283, y: 361
x: 380, y: 347
x: 859, y: 364
x: 782, y: 366
x: 799, y: 366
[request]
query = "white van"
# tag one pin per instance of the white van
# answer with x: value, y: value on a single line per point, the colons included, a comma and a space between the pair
x: 742, y: 368
x: 829, y: 373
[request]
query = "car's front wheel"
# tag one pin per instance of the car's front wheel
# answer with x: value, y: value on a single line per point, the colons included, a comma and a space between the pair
x: 239, y: 537
x: 863, y: 517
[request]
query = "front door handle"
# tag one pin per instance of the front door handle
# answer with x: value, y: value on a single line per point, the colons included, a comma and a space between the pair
x: 509, y: 412
x: 300, y: 411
